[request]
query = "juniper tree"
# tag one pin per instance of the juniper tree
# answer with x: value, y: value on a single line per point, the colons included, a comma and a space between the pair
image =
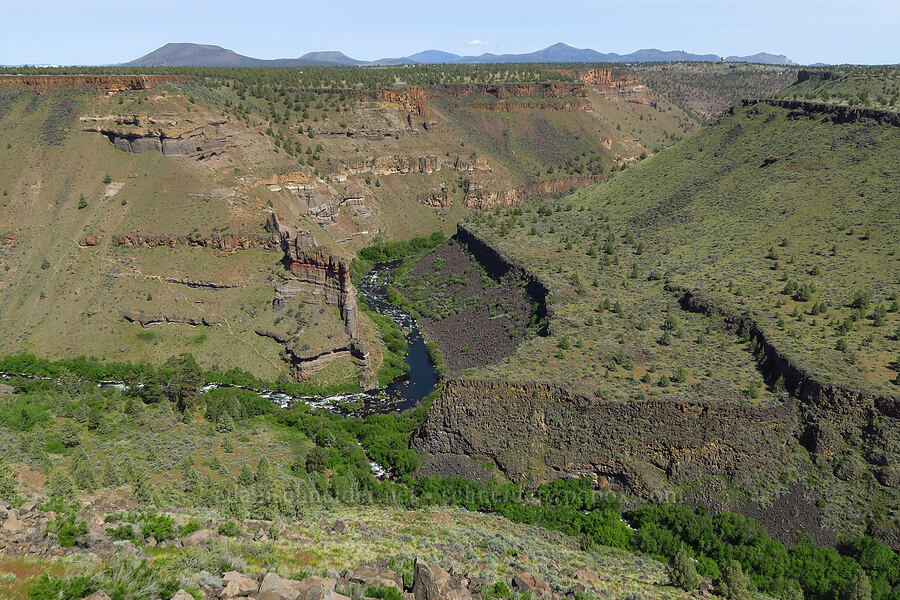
x: 682, y: 571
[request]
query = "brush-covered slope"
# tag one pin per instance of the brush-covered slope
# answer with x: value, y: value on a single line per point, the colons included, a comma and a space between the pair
x: 773, y: 212
x: 138, y: 223
x: 724, y: 327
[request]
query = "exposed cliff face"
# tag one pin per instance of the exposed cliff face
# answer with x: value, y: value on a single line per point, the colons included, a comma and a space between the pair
x: 831, y: 413
x: 41, y: 84
x: 393, y: 164
x: 501, y: 91
x: 832, y: 112
x: 228, y: 243
x: 514, y: 106
x: 146, y: 320
x: 613, y: 78
x: 536, y: 432
x: 480, y: 198
x: 500, y: 267
x: 314, y: 270
x: 138, y: 143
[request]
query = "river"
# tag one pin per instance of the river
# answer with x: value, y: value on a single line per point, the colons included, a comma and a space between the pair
x: 402, y: 394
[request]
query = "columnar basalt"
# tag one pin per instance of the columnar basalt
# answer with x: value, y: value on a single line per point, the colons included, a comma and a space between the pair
x: 536, y: 432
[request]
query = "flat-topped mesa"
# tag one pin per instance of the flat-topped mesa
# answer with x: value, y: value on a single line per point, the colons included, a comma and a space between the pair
x: 41, y: 84
x: 311, y: 269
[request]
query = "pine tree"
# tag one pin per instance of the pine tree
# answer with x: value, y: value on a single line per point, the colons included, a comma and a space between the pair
x: 682, y: 571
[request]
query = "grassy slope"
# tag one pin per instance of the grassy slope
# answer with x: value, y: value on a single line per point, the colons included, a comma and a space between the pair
x: 708, y: 212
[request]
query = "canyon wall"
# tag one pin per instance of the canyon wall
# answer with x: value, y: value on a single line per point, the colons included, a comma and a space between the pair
x: 499, y: 267
x: 227, y: 243
x: 312, y: 269
x: 537, y: 432
x: 831, y: 112
x: 612, y: 78
x: 41, y: 84
x: 481, y: 198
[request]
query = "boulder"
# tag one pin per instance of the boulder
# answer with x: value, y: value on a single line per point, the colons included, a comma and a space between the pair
x: 586, y: 576
x: 339, y: 527
x: 12, y: 523
x: 99, y: 595
x: 27, y: 508
x: 429, y: 582
x: 370, y: 576
x: 237, y: 585
x: 182, y: 595
x: 274, y: 587
x: 197, y: 537
x: 317, y: 588
x: 525, y: 583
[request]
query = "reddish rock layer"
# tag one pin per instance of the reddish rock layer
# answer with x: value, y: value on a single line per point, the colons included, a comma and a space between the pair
x: 41, y: 84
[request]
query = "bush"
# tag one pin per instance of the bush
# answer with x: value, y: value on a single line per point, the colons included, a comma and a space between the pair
x: 383, y: 592
x: 734, y: 584
x: 48, y: 587
x: 682, y: 571
x: 229, y: 529
x: 159, y: 527
x: 67, y: 529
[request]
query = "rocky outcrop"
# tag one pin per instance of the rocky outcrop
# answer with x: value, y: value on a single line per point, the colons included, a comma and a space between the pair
x: 477, y: 197
x: 163, y: 133
x: 41, y: 84
x: 186, y: 144
x: 500, y: 267
x: 199, y: 283
x: 502, y: 91
x: 831, y: 112
x: 393, y: 164
x: 471, y: 163
x: 313, y: 270
x: 514, y: 106
x: 440, y: 199
x: 536, y: 432
x: 610, y: 78
x: 306, y: 363
x: 147, y: 321
x: 227, y: 243
x: 830, y: 413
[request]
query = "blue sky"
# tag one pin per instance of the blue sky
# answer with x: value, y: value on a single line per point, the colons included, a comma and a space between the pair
x: 102, y: 31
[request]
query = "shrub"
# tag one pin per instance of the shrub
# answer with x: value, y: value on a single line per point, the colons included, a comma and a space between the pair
x: 48, y: 587
x: 734, y: 584
x: 229, y: 529
x: 682, y: 571
x: 159, y: 527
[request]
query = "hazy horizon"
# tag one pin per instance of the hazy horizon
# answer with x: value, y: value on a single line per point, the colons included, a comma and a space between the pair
x: 98, y: 32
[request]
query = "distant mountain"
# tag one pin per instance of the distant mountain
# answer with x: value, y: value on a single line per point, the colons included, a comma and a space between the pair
x: 202, y: 55
x: 194, y: 55
x: 205, y: 55
x: 762, y: 58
